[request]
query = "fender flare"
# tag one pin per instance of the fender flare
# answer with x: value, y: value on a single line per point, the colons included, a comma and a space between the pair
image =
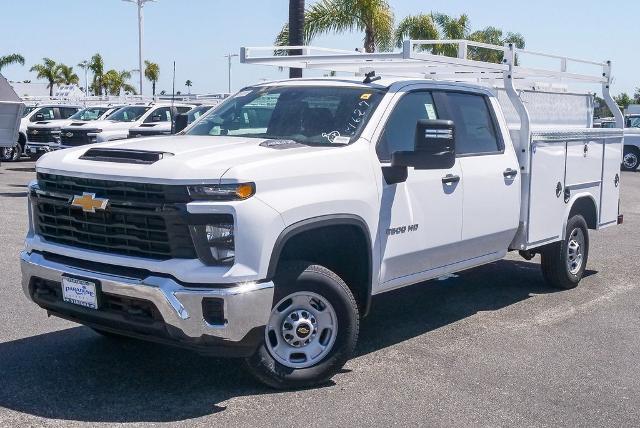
x: 316, y: 223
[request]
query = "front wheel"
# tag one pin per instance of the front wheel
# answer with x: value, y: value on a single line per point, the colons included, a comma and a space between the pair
x: 11, y: 154
x: 564, y: 262
x: 630, y: 158
x: 312, y: 330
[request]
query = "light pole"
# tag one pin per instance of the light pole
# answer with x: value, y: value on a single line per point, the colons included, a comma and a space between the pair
x: 85, y: 65
x: 229, y: 56
x: 140, y: 4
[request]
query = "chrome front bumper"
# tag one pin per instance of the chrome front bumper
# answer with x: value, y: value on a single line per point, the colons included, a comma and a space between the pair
x: 246, y: 306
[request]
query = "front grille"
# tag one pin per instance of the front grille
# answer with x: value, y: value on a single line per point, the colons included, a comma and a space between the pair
x: 142, y: 220
x: 40, y: 136
x: 76, y: 137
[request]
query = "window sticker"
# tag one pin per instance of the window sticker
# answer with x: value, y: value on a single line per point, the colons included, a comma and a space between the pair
x: 431, y: 112
x: 331, y: 136
x: 365, y: 96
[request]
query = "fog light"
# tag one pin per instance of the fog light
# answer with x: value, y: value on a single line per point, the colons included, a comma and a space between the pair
x: 221, y: 240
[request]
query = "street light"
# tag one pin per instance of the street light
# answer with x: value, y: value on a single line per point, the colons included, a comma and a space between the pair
x: 140, y: 4
x: 229, y: 56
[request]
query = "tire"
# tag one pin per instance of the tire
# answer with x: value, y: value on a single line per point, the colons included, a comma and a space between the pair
x: 304, y: 287
x: 564, y: 262
x: 631, y: 158
x: 12, y: 154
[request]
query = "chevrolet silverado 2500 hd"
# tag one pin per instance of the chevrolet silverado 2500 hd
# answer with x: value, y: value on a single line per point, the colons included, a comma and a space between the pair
x: 263, y: 230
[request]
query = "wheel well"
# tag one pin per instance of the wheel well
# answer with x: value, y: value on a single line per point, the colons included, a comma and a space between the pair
x: 587, y: 209
x: 634, y: 148
x: 22, y: 139
x: 343, y: 248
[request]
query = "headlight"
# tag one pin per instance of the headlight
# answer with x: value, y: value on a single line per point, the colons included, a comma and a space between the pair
x: 223, y: 192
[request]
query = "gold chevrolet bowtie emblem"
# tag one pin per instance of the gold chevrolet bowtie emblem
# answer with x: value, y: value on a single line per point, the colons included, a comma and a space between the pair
x: 89, y: 203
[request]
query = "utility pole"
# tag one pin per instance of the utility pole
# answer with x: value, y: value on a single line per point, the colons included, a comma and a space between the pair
x: 85, y: 65
x: 229, y: 56
x: 140, y: 4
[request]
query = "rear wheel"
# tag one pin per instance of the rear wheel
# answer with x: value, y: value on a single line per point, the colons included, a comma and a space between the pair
x: 631, y: 158
x: 564, y: 263
x: 312, y: 330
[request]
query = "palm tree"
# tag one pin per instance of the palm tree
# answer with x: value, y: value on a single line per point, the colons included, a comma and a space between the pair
x: 96, y: 65
x: 373, y: 17
x: 11, y: 59
x: 417, y: 27
x: 50, y: 71
x: 67, y: 75
x: 152, y: 73
x: 296, y: 33
x: 441, y: 27
x: 116, y: 82
x: 188, y: 84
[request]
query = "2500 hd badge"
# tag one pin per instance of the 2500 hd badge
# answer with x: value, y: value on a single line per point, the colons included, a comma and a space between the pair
x: 402, y: 229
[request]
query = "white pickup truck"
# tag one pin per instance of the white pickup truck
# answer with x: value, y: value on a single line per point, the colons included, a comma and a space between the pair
x: 151, y: 116
x: 264, y: 229
x: 46, y: 135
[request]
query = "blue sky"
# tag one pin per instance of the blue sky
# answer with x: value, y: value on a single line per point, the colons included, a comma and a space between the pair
x: 198, y: 33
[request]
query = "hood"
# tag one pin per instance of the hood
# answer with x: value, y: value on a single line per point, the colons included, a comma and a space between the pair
x: 50, y: 124
x: 188, y: 159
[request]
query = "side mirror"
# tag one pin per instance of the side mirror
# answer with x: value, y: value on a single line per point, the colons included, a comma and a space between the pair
x: 181, y: 122
x: 156, y: 118
x: 38, y: 117
x: 434, y: 148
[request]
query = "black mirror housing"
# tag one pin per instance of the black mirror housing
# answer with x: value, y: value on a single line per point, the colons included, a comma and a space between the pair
x: 181, y: 122
x: 434, y: 147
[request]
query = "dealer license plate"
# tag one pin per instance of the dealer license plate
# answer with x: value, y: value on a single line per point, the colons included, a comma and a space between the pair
x: 80, y: 292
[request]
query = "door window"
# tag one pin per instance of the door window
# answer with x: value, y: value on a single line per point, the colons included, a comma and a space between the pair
x: 162, y: 114
x: 67, y: 112
x: 46, y: 112
x: 475, y: 128
x: 400, y: 130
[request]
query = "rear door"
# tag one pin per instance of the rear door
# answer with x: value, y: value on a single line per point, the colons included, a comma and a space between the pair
x: 491, y: 207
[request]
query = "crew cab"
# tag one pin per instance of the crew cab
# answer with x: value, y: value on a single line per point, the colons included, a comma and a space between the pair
x: 32, y: 114
x: 264, y: 229
x: 45, y: 136
x: 117, y: 125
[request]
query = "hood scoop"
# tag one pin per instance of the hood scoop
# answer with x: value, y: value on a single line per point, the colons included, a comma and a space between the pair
x: 141, y: 157
x: 77, y: 123
x: 42, y: 122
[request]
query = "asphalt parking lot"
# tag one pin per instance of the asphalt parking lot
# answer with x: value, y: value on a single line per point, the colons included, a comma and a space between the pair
x: 493, y: 346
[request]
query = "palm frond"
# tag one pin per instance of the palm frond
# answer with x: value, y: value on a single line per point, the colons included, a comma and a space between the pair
x: 11, y: 59
x: 419, y: 27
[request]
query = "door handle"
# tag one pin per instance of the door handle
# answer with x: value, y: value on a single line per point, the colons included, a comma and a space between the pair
x: 450, y: 179
x: 509, y: 173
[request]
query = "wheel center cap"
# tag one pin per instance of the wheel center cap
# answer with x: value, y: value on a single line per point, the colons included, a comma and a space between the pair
x: 303, y: 330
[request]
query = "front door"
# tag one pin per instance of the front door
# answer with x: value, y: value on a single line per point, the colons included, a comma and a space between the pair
x: 421, y: 218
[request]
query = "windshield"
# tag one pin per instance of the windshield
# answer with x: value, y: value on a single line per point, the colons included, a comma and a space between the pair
x: 91, y: 113
x: 128, y: 114
x: 305, y: 114
x: 196, y: 112
x: 28, y: 110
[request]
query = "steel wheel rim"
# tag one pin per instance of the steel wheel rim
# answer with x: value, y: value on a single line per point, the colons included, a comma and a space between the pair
x: 302, y: 330
x: 630, y: 160
x: 575, y: 251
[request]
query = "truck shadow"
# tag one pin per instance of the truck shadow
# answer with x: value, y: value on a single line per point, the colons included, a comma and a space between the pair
x: 76, y: 375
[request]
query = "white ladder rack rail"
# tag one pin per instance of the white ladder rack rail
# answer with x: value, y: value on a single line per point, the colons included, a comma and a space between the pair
x: 416, y: 63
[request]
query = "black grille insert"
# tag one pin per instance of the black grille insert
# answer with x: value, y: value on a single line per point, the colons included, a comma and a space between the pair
x: 124, y: 156
x: 148, y: 224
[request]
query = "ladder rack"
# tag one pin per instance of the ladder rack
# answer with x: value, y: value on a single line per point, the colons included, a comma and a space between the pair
x: 417, y: 60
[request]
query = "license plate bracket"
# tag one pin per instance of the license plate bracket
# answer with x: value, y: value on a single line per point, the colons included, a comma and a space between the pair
x: 81, y: 291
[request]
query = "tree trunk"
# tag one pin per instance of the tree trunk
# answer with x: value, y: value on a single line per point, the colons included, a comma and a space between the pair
x: 50, y: 88
x: 369, y: 40
x: 153, y: 87
x: 296, y: 31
